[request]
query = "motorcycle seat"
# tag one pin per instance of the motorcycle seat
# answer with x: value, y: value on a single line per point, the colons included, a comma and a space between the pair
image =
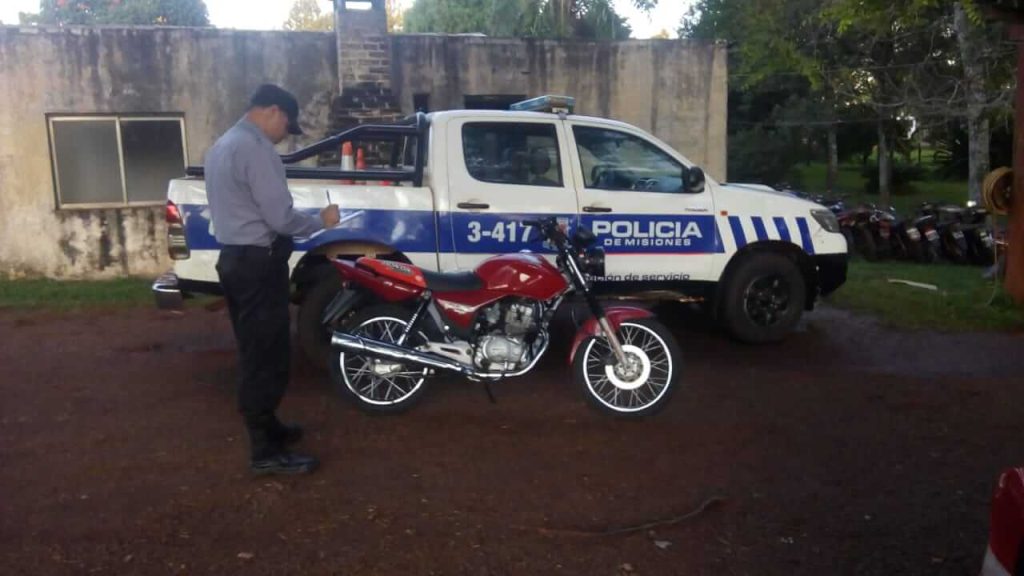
x: 452, y: 281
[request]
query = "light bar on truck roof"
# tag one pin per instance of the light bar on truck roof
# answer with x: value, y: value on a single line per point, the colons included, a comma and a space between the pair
x: 553, y: 104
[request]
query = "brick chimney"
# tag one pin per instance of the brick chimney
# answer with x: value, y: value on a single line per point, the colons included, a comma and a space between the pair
x: 364, y: 65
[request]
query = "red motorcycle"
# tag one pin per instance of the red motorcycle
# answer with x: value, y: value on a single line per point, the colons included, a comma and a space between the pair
x: 400, y: 324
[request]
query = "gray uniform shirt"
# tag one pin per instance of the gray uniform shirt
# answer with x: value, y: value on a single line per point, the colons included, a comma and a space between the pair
x: 248, y: 191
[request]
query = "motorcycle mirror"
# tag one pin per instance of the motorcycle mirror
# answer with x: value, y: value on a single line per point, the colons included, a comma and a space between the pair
x: 583, y: 236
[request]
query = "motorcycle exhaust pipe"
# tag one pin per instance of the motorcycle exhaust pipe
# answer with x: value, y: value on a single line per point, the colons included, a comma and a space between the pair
x: 397, y: 353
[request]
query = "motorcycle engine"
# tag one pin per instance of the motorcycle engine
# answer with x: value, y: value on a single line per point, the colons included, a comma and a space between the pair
x: 505, y: 328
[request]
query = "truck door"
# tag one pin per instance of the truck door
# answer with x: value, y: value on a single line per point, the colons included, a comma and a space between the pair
x: 632, y: 197
x: 499, y: 173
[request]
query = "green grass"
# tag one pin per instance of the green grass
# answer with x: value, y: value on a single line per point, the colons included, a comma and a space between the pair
x: 960, y: 304
x: 65, y: 295
x: 851, y: 183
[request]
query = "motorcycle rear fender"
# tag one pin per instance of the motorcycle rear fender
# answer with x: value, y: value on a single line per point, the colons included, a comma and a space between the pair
x: 384, y: 288
x: 616, y: 315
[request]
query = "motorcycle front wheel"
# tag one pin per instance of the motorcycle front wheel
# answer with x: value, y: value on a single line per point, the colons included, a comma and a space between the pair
x: 374, y: 385
x: 647, y: 382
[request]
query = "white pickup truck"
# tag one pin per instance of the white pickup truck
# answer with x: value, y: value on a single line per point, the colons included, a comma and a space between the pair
x: 451, y: 188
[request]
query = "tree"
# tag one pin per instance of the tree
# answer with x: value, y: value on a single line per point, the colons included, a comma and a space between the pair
x: 987, y: 80
x: 662, y: 35
x: 781, y: 49
x: 930, y: 60
x: 593, y: 19
x: 119, y: 12
x: 396, y: 15
x: 901, y: 59
x: 449, y: 17
x: 306, y: 15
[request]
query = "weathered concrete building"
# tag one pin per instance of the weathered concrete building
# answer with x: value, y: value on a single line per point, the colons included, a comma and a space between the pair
x: 96, y: 120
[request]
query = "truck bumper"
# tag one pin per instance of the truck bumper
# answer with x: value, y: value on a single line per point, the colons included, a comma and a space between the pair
x: 170, y: 291
x: 167, y: 292
x: 831, y: 272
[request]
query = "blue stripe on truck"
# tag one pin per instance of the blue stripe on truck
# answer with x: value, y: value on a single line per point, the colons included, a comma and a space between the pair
x: 762, y: 233
x: 490, y: 233
x: 406, y: 230
x: 805, y: 235
x: 780, y: 225
x: 737, y: 231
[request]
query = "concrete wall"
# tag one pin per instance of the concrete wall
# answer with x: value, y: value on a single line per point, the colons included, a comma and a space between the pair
x: 205, y: 74
x: 675, y: 89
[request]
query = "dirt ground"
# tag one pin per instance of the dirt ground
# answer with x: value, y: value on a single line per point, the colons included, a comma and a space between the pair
x: 848, y: 449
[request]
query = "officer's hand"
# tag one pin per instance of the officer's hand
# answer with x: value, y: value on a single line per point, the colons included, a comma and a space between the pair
x: 330, y: 216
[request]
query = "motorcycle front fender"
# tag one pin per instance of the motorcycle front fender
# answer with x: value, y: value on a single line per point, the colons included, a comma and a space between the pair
x: 616, y: 315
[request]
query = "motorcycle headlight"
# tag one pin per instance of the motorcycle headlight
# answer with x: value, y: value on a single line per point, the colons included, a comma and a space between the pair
x: 826, y: 219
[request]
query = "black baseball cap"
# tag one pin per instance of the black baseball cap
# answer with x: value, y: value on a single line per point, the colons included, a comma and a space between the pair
x: 269, y: 95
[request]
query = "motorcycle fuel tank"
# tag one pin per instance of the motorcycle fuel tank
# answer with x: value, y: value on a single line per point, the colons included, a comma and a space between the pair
x: 526, y: 275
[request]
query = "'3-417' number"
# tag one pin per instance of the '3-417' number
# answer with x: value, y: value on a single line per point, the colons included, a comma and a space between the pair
x: 502, y: 232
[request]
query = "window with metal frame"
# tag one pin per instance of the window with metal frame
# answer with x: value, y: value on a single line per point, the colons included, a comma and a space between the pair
x: 519, y: 153
x: 115, y: 160
x: 614, y: 160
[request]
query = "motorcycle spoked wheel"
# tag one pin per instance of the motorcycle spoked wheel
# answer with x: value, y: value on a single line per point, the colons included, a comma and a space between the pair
x: 915, y: 250
x: 954, y: 250
x: 866, y: 244
x: 897, y: 249
x: 979, y: 253
x: 376, y: 385
x: 643, y: 387
x: 929, y: 250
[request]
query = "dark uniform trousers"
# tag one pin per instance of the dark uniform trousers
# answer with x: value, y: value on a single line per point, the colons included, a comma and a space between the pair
x: 256, y: 286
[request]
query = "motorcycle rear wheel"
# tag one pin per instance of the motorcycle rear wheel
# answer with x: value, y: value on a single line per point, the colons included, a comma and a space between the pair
x: 379, y: 386
x: 866, y: 244
x: 954, y: 250
x: 649, y: 383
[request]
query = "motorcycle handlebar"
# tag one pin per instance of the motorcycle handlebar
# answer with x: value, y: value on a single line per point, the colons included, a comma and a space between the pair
x: 549, y: 228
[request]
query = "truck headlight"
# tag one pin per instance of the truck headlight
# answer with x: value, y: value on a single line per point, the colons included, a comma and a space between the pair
x: 826, y: 219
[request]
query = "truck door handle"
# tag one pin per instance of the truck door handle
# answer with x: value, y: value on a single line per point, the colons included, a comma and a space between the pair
x: 596, y: 209
x: 473, y: 206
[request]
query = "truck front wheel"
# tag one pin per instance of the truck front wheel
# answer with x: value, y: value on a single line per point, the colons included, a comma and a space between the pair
x: 763, y: 298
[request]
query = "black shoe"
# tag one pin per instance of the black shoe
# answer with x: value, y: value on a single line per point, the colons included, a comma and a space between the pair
x: 284, y: 463
x: 286, y: 434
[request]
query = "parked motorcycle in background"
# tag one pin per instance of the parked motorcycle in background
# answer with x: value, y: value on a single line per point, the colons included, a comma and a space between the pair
x: 980, y: 241
x: 958, y: 234
x: 952, y: 242
x: 860, y: 227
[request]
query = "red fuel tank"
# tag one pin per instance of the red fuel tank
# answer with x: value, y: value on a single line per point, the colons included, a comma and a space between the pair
x: 527, y: 275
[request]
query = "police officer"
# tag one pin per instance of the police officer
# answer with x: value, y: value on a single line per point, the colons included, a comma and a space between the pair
x: 254, y: 221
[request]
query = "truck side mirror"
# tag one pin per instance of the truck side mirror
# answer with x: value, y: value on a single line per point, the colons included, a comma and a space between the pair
x: 693, y: 180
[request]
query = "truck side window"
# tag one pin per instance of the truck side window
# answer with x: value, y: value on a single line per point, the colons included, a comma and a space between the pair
x: 613, y: 160
x: 512, y: 153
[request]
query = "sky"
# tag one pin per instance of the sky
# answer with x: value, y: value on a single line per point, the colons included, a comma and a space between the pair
x: 241, y: 14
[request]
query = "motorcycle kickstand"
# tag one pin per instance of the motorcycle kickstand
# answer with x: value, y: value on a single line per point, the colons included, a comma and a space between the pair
x: 490, y: 393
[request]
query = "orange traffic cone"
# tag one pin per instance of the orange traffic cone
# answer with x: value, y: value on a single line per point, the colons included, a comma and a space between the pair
x: 347, y: 162
x: 360, y: 163
x: 1006, y: 534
